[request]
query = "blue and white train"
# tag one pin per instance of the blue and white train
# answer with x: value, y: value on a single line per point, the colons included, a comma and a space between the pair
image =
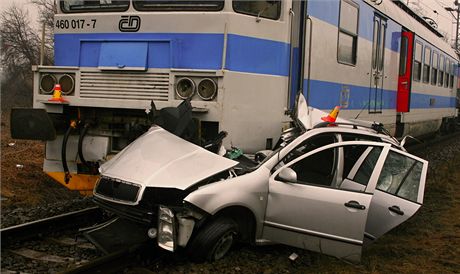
x: 241, y: 63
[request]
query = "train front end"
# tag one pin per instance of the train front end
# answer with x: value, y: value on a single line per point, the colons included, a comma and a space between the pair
x: 111, y: 62
x: 114, y: 60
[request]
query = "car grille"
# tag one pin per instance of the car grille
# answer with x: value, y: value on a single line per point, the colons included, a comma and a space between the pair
x: 117, y: 190
x: 122, y: 86
x: 135, y: 213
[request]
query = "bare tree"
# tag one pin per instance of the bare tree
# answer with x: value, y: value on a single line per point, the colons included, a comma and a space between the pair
x: 19, y: 42
x: 20, y: 49
x: 47, y: 9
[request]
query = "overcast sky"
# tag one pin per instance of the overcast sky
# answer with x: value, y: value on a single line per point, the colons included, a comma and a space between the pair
x: 33, y: 12
x: 435, y: 9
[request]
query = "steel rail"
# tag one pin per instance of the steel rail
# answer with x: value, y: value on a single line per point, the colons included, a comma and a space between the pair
x: 118, y: 261
x: 45, y: 226
x: 432, y: 141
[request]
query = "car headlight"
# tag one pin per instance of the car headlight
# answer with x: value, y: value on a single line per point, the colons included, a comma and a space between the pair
x: 185, y: 88
x: 47, y: 82
x: 166, y: 228
x: 207, y: 89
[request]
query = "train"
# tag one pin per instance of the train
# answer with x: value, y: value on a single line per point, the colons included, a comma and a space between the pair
x: 239, y: 64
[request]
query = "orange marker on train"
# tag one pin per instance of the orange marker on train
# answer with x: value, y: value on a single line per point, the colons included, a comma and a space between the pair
x: 57, y: 95
x: 332, y: 115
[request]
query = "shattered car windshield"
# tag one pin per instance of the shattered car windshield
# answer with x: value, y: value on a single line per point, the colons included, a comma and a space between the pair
x: 400, y: 176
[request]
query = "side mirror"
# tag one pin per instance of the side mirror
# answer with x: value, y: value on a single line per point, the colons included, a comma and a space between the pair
x: 288, y: 175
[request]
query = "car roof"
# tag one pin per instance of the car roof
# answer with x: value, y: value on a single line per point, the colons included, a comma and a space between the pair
x: 354, y: 128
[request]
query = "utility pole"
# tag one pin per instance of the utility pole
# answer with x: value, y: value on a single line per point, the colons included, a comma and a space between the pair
x: 457, y: 9
x: 456, y: 28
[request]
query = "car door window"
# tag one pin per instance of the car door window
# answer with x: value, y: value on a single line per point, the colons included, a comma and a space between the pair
x: 310, y: 144
x: 358, y: 137
x: 325, y: 168
x: 364, y: 167
x: 401, y: 176
x: 318, y: 169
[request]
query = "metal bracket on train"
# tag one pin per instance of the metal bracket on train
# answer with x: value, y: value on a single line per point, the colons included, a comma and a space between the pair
x: 177, y: 120
x: 31, y: 124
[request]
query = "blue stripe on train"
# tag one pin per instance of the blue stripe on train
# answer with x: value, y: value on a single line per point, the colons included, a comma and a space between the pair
x: 196, y: 51
x: 326, y: 95
x: 204, y: 51
x: 174, y: 50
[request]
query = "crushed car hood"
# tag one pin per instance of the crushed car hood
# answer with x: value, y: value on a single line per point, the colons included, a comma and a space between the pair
x: 161, y: 159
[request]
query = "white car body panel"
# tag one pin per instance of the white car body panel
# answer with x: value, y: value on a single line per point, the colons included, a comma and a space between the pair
x: 161, y: 159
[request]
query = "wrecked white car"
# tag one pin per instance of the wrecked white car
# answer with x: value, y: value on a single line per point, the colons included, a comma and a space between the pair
x: 328, y: 189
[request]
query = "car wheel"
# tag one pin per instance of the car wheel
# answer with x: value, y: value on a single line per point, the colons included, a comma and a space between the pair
x: 213, y: 241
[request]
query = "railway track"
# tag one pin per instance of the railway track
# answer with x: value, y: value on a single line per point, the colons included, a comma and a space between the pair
x: 135, y: 259
x: 54, y: 245
x: 50, y: 244
x: 44, y: 226
x: 417, y: 146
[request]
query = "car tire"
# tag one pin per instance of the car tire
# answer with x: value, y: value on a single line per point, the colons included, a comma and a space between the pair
x: 213, y: 241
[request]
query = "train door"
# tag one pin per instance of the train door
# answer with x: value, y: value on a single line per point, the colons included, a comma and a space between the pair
x: 377, y: 66
x: 405, y: 71
x: 297, y: 54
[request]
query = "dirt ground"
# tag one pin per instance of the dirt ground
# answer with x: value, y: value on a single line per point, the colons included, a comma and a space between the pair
x: 23, y: 182
x: 428, y: 243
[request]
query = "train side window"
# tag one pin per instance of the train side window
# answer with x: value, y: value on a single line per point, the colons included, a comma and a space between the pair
x: 265, y: 9
x: 381, y: 55
x: 447, y: 73
x: 403, y: 56
x: 348, y: 32
x: 176, y: 5
x: 418, y: 61
x: 72, y: 6
x: 452, y: 70
x: 434, y: 68
x: 442, y: 68
x: 426, y: 65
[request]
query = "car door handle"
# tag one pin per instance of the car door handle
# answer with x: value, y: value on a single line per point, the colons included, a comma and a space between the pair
x: 396, y: 210
x: 355, y: 204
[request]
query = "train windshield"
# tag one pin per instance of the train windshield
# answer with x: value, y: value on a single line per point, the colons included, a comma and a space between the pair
x: 178, y: 5
x: 93, y: 5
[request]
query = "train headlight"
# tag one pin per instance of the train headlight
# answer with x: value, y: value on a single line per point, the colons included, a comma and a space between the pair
x: 47, y: 82
x: 166, y: 228
x: 67, y: 84
x: 207, y: 89
x: 185, y: 88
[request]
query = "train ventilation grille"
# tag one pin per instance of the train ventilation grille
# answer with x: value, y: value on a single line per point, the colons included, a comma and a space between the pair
x: 132, y: 86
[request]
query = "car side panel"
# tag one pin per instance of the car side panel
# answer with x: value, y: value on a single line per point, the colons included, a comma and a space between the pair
x: 249, y: 191
x: 381, y: 219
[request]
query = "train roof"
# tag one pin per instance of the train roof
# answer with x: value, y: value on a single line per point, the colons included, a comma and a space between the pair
x: 403, y: 15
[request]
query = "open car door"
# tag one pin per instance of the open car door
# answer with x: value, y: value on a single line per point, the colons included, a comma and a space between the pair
x: 398, y: 194
x: 307, y: 206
